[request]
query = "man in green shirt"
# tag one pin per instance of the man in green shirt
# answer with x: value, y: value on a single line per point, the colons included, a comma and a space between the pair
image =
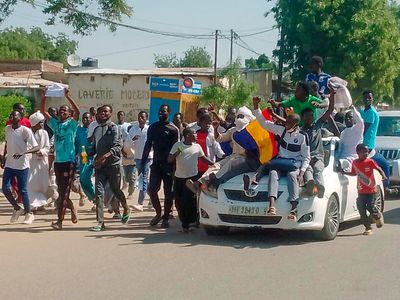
x: 301, y: 100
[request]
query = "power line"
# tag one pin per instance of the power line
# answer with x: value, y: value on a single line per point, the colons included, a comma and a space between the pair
x: 260, y: 32
x: 140, y: 48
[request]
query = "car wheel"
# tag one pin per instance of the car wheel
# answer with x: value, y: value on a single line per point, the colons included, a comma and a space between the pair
x: 379, y: 200
x: 216, y: 230
x: 331, y: 223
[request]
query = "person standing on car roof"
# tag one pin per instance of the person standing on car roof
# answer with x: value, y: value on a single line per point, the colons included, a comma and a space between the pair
x: 371, y: 122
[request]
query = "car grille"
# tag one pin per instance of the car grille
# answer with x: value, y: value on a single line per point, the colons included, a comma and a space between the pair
x: 236, y: 195
x: 253, y: 220
x: 389, y: 154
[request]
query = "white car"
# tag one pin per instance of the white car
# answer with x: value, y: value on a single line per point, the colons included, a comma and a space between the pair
x: 388, y: 141
x: 230, y: 206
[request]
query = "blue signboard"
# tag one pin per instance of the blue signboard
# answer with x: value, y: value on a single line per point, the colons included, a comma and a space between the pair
x: 194, y: 90
x: 164, y: 85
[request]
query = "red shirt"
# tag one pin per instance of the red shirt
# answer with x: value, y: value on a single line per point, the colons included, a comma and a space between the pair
x: 24, y: 122
x: 202, y: 141
x: 365, y: 175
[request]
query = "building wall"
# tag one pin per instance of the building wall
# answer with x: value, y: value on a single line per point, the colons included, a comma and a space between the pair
x: 262, y: 79
x: 129, y: 93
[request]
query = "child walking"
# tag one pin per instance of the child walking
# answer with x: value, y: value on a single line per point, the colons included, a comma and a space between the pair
x: 364, y: 168
x: 186, y: 154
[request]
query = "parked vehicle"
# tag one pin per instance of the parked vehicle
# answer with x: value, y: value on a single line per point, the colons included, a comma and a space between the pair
x: 388, y: 142
x: 230, y: 206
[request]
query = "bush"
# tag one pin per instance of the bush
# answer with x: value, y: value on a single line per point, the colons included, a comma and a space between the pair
x: 6, y: 107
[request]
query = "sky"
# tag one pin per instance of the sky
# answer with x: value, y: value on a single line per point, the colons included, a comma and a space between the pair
x: 197, y: 17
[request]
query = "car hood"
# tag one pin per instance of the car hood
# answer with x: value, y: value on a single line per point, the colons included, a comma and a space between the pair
x: 387, y: 142
x: 238, y: 180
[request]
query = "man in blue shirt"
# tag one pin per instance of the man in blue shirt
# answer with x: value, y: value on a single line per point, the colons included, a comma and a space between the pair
x: 316, y: 74
x: 371, y: 123
x: 64, y: 128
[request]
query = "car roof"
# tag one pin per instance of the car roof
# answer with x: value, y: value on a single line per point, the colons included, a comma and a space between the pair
x: 389, y: 113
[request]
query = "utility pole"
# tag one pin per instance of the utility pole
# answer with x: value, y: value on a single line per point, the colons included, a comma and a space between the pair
x: 280, y: 63
x: 232, y: 37
x: 215, y: 56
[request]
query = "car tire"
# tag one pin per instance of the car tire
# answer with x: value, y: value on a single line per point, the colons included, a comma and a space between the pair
x: 379, y: 200
x: 216, y: 230
x: 331, y: 223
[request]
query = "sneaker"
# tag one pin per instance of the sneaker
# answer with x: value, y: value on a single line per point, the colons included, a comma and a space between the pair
x: 99, y: 227
x: 29, y: 218
x: 155, y: 220
x: 56, y: 225
x: 320, y: 191
x: 125, y: 217
x: 379, y: 222
x: 16, y: 214
x: 138, y: 207
x: 165, y: 223
x: 310, y: 187
x: 367, y: 232
x: 82, y: 201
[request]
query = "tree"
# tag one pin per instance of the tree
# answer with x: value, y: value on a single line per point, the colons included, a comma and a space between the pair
x: 195, y: 57
x: 262, y: 62
x: 237, y: 95
x: 19, y: 44
x: 357, y: 40
x: 73, y: 13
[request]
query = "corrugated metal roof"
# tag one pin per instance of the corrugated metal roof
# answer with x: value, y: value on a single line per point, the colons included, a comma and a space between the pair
x: 147, y: 72
x: 6, y: 81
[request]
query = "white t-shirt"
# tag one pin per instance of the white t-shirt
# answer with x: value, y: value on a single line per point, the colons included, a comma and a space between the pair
x: 92, y: 126
x: 138, y: 145
x: 17, y: 143
x: 186, y: 161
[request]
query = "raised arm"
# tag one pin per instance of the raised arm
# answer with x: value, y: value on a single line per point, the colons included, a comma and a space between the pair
x: 268, y: 125
x: 43, y: 105
x: 75, y: 107
x: 358, y: 119
x: 330, y: 109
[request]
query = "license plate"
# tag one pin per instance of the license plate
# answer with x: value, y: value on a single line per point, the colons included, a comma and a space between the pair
x: 246, y: 210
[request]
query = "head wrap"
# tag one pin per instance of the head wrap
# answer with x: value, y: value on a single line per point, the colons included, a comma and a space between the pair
x: 35, y: 118
x: 248, y: 117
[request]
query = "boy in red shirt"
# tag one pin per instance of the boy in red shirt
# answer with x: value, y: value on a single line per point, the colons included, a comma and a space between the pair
x: 364, y: 168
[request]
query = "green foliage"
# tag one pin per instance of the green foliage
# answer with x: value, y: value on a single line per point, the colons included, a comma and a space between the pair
x: 195, y: 57
x: 19, y: 44
x: 357, y: 39
x: 238, y: 92
x: 84, y: 16
x: 262, y: 62
x: 6, y: 108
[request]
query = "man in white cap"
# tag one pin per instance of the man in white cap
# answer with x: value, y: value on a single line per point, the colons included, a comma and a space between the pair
x: 239, y: 162
x: 38, y: 178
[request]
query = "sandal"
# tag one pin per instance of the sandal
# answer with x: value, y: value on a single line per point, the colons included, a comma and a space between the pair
x: 271, y: 211
x: 293, y: 215
x: 74, y: 216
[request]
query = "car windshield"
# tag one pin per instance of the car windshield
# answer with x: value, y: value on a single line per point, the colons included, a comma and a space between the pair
x: 389, y: 126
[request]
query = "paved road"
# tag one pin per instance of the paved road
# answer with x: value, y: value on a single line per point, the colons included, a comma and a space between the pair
x: 135, y: 262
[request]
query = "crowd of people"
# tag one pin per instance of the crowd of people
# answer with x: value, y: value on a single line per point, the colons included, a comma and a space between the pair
x: 45, y: 153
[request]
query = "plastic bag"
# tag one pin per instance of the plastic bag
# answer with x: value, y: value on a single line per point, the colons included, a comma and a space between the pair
x: 56, y: 90
x: 342, y: 97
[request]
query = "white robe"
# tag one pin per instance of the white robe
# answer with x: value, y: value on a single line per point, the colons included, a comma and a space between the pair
x: 38, y: 178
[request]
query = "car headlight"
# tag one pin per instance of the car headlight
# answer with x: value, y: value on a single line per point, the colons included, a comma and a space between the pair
x: 211, y: 192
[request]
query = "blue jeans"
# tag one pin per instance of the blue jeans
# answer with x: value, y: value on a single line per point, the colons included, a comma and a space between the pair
x: 22, y: 180
x: 384, y: 164
x: 130, y: 177
x: 143, y: 179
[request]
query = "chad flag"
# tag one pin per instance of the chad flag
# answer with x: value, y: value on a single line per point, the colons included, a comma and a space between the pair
x: 257, y: 140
